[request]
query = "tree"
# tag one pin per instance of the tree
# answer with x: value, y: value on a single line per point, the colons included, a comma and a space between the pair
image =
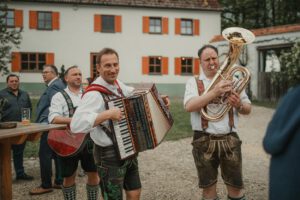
x: 290, y: 67
x: 9, y: 38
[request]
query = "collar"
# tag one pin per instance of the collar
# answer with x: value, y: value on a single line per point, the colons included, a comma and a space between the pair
x: 52, y: 81
x: 75, y: 94
x: 101, y: 81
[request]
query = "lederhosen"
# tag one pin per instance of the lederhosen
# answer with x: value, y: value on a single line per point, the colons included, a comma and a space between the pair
x: 213, y: 150
x: 85, y: 155
x: 115, y: 174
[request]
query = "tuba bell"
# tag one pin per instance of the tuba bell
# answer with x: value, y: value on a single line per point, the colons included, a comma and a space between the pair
x: 240, y: 76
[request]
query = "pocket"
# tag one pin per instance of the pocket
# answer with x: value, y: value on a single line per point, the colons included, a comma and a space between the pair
x: 234, y: 141
x: 201, y: 144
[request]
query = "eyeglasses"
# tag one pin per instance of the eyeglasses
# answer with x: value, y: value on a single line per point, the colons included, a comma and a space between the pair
x: 46, y: 72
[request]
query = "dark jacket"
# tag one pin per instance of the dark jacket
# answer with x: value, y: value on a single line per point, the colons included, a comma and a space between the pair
x: 282, y: 141
x: 42, y: 110
x: 12, y: 107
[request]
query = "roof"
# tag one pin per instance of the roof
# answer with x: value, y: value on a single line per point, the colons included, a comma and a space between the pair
x: 266, y: 31
x: 210, y: 5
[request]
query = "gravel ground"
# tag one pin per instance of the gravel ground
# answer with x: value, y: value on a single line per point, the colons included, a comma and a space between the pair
x: 168, y: 172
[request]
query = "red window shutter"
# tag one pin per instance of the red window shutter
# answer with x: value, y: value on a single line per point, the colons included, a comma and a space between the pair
x: 196, y: 27
x: 145, y: 24
x: 50, y: 59
x: 19, y: 18
x: 165, y: 25
x: 177, y: 26
x: 97, y: 23
x: 177, y: 66
x: 15, y: 62
x: 55, y: 20
x: 118, y: 24
x: 196, y: 70
x: 145, y: 65
x: 32, y: 19
x: 165, y: 65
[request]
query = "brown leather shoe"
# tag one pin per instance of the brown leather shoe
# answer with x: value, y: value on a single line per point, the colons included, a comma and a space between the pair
x: 40, y: 190
x: 56, y: 186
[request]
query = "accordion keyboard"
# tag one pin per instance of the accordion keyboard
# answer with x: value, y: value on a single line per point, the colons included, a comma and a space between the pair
x: 122, y: 131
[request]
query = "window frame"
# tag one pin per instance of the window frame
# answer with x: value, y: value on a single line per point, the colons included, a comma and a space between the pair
x: 36, y: 62
x: 186, y: 66
x: 113, y: 26
x: 155, y: 65
x: 44, y: 21
x: 6, y: 18
x: 155, y: 26
x: 262, y: 53
x: 185, y: 27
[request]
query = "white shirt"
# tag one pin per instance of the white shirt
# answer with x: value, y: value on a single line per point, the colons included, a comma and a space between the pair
x: 91, y: 104
x: 219, y: 127
x: 59, y: 106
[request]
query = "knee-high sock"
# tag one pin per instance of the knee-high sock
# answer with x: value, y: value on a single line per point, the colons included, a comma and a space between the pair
x: 92, y: 191
x: 69, y: 192
x: 237, y: 198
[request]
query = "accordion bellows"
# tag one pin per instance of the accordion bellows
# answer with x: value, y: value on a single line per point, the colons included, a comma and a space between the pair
x: 146, y: 121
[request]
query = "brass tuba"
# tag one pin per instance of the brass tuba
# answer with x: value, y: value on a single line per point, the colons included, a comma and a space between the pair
x: 240, y: 76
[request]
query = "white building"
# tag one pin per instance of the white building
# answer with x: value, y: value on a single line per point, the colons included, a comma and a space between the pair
x: 157, y: 41
x: 262, y: 56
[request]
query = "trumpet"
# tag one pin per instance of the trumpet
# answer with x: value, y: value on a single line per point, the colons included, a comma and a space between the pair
x: 240, y: 76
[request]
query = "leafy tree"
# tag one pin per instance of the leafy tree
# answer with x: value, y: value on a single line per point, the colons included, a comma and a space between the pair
x: 290, y: 68
x: 9, y: 38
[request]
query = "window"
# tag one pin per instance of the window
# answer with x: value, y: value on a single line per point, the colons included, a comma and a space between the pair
x: 107, y: 23
x: 186, y: 65
x: 155, y: 25
x: 32, y: 61
x: 269, y: 57
x: 8, y: 17
x: 44, y: 20
x: 186, y: 27
x: 155, y: 65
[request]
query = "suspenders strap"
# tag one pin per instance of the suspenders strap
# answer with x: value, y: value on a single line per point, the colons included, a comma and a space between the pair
x: 69, y: 102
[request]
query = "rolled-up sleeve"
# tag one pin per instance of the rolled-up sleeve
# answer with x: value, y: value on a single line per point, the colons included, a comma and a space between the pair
x: 190, y: 90
x: 56, y: 107
x: 86, y: 113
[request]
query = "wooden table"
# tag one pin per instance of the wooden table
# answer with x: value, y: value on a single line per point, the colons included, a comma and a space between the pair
x: 17, y: 135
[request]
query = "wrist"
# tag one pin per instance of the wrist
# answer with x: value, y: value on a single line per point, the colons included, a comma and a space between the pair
x: 240, y: 108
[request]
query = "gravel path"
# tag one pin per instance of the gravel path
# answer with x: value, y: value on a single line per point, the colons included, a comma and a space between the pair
x: 168, y: 172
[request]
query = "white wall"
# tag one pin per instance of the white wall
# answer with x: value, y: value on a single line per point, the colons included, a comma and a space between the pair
x: 76, y: 39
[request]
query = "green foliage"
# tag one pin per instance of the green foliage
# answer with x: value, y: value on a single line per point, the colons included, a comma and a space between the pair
x: 9, y: 38
x: 290, y: 68
x: 259, y: 13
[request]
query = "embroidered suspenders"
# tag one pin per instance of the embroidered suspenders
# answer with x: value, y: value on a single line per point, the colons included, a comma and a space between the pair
x: 69, y: 103
x: 204, y: 122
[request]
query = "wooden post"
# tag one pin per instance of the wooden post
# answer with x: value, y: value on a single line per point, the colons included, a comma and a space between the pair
x: 5, y: 171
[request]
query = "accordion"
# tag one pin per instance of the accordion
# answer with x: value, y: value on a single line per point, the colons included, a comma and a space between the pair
x: 144, y: 124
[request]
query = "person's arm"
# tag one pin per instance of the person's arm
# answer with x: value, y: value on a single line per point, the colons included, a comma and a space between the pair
x: 198, y: 102
x: 56, y: 110
x: 236, y: 102
x: 91, y: 112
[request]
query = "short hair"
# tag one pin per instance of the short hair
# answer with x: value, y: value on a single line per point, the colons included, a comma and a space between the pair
x: 11, y: 75
x: 200, y: 51
x: 104, y: 52
x: 54, y: 69
x: 67, y: 71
